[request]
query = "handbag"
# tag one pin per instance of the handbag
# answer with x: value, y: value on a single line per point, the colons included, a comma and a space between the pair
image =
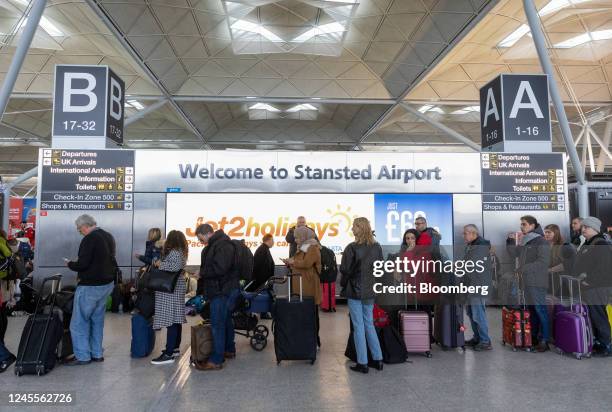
x: 161, y: 281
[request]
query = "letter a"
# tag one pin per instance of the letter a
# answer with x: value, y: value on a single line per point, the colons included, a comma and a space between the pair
x: 492, y: 109
x: 525, y: 87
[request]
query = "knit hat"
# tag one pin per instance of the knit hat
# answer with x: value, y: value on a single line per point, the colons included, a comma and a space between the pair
x: 592, y: 222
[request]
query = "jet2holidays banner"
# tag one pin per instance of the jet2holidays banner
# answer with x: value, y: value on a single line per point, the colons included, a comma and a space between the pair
x: 249, y: 216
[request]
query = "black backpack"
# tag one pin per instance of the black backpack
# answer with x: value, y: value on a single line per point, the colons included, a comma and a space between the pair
x: 329, y: 267
x: 243, y: 259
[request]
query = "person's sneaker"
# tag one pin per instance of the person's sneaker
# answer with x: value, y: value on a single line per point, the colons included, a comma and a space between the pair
x: 471, y: 342
x: 4, y: 365
x: 100, y: 359
x: 604, y: 352
x: 76, y: 362
x: 176, y: 353
x: 482, y: 346
x: 542, y: 347
x: 162, y: 359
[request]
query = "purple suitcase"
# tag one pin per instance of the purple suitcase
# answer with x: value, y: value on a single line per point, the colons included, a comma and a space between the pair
x: 573, y: 333
x: 414, y: 327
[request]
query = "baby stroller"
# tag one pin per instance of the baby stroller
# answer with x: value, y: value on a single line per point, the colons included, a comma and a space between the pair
x: 245, y: 318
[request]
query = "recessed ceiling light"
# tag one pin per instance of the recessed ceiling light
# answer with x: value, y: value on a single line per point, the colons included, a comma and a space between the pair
x: 251, y: 97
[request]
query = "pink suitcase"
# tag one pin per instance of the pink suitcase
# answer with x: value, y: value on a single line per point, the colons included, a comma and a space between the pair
x: 573, y: 333
x: 328, y: 297
x: 414, y: 327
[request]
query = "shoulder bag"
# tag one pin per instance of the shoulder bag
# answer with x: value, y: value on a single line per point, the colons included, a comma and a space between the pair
x: 161, y: 281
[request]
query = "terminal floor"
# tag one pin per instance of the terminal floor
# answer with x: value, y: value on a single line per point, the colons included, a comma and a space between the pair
x: 449, y: 381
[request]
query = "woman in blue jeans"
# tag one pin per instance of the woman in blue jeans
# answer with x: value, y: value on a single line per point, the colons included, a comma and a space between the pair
x: 357, y: 286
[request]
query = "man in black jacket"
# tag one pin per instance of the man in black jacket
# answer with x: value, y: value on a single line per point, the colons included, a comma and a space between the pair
x: 576, y: 232
x: 263, y: 262
x: 533, y: 253
x: 220, y: 284
x: 478, y: 250
x: 97, y: 268
x: 594, y: 266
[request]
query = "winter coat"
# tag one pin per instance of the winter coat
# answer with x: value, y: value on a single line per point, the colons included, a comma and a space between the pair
x: 307, y: 263
x: 534, y: 257
x: 478, y: 250
x: 170, y: 307
x: 263, y: 266
x: 218, y: 271
x: 595, y: 259
x: 152, y: 253
x: 5, y: 253
x: 357, y: 269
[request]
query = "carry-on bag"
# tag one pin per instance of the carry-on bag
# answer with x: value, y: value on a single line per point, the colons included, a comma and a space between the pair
x: 391, y: 345
x: 516, y: 323
x: 448, y: 326
x: 143, y: 337
x: 37, y: 353
x: 328, y: 297
x: 295, y: 326
x: 201, y: 342
x: 573, y: 333
x: 415, y: 329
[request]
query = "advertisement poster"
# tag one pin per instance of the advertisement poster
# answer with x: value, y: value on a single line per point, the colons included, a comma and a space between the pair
x: 21, y: 210
x: 250, y: 216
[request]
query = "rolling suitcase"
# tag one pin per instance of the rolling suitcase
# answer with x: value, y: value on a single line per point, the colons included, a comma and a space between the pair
x: 516, y: 323
x: 143, y: 337
x: 201, y: 342
x: 295, y: 327
x: 448, y: 326
x: 37, y: 353
x: 414, y: 328
x: 391, y: 345
x: 328, y: 297
x: 573, y: 333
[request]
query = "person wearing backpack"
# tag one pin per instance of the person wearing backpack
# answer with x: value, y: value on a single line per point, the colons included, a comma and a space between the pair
x: 593, y: 264
x: 358, y: 287
x: 219, y: 283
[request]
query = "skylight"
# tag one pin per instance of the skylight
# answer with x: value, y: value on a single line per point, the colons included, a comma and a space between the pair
x: 264, y: 106
x: 430, y: 108
x: 467, y: 109
x: 299, y: 107
x: 551, y: 7
x: 330, y: 28
x: 585, y: 38
x: 134, y: 104
x: 45, y: 23
x: 256, y: 28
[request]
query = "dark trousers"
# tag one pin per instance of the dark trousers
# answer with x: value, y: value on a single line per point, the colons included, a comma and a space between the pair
x: 3, y: 321
x: 597, y: 299
x: 536, y: 302
x: 173, y: 337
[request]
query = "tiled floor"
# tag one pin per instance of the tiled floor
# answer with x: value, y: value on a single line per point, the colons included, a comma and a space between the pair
x: 450, y: 381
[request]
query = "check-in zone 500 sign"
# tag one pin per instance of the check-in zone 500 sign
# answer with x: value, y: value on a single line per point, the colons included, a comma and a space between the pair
x: 250, y: 216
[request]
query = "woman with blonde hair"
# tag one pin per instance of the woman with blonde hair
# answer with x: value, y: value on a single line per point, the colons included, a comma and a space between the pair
x: 170, y: 307
x: 307, y: 263
x: 152, y: 247
x: 358, y: 287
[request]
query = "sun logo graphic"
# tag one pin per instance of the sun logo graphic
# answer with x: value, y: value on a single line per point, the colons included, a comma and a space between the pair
x: 344, y: 218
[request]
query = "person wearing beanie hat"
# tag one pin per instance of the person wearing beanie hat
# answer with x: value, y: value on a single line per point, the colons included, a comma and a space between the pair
x: 593, y: 264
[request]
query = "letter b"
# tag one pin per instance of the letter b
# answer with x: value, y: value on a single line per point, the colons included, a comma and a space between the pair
x: 87, y: 91
x: 115, y: 99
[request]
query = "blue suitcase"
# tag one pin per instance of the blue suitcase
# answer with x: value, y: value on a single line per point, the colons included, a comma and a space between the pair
x: 143, y: 337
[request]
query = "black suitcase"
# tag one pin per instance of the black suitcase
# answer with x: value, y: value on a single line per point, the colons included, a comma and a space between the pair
x: 41, y: 335
x: 448, y: 326
x: 295, y: 327
x: 391, y: 345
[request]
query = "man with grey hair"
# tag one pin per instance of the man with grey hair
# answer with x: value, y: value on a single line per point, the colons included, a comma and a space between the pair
x: 477, y: 249
x: 96, y: 269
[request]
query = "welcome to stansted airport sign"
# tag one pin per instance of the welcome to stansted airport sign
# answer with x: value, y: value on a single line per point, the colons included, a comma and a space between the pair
x: 201, y: 171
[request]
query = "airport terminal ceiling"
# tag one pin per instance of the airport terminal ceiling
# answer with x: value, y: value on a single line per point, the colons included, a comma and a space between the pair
x: 303, y: 74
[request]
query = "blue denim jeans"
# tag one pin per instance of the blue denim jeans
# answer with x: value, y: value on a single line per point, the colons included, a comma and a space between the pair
x: 540, y: 325
x: 87, y: 324
x: 221, y: 309
x: 477, y: 312
x: 362, y: 318
x: 4, y: 352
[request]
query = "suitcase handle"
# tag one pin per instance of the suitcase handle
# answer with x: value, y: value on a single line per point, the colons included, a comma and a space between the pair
x: 289, y: 276
x: 570, y: 282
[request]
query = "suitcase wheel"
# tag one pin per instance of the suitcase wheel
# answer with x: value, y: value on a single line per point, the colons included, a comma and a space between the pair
x: 262, y: 330
x: 428, y: 354
x: 259, y: 342
x: 19, y: 371
x: 334, y: 309
x: 312, y: 362
x: 278, y: 363
x: 40, y: 370
x: 514, y: 349
x: 578, y: 356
